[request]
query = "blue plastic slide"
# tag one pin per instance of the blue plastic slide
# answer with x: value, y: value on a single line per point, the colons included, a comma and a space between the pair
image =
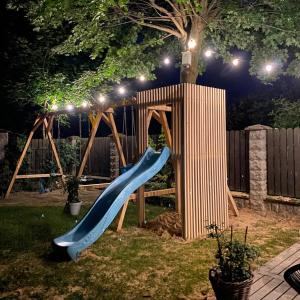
x: 109, y: 203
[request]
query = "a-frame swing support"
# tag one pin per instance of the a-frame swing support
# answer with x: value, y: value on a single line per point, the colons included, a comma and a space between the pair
x: 47, y: 122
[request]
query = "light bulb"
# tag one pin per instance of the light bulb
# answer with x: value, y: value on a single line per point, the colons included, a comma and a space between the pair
x: 192, y: 44
x: 142, y: 78
x: 84, y: 104
x: 121, y: 90
x: 269, y: 68
x: 70, y: 107
x: 167, y: 61
x: 235, y: 62
x: 208, y: 53
x: 101, y: 98
x: 54, y: 107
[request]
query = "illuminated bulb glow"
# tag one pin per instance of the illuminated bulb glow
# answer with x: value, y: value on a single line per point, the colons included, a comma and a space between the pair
x: 84, y: 104
x: 142, y: 78
x: 235, y: 62
x: 192, y: 44
x: 101, y: 99
x: 269, y: 68
x: 208, y: 53
x: 70, y: 107
x: 121, y: 90
x: 54, y: 107
x: 167, y: 61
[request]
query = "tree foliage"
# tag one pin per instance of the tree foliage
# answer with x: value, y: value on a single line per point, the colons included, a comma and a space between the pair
x: 127, y: 38
x: 286, y: 114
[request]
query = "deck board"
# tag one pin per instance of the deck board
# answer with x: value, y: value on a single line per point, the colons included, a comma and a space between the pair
x: 269, y: 283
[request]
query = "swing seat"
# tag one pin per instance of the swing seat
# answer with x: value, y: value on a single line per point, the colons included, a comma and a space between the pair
x: 292, y: 277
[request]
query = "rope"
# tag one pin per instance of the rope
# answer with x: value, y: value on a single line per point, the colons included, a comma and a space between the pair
x: 125, y: 130
x: 133, y: 134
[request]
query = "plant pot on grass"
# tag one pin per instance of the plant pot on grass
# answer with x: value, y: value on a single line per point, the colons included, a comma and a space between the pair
x: 73, y: 204
x: 232, y: 277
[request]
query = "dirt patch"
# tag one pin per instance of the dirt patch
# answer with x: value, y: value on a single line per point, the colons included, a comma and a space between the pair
x: 169, y: 222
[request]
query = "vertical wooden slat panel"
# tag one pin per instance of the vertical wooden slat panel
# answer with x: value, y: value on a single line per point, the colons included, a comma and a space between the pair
x: 283, y: 162
x: 270, y: 162
x: 277, y: 162
x: 231, y: 160
x: 290, y: 162
x: 243, y: 162
x: 237, y: 161
x: 297, y: 161
x: 199, y: 151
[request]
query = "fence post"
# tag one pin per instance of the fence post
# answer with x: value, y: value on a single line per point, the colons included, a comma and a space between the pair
x: 258, y: 166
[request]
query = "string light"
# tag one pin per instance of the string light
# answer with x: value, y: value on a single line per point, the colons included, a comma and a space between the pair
x: 121, y: 90
x: 208, y: 53
x: 167, y: 61
x: 84, y: 104
x: 142, y: 78
x: 101, y: 98
x: 70, y: 107
x: 192, y: 44
x: 269, y: 68
x: 54, y: 107
x: 236, y: 62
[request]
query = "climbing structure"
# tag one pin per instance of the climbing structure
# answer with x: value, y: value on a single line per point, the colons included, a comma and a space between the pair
x: 198, y: 142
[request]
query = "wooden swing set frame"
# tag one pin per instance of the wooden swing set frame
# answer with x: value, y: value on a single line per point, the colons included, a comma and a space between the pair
x: 147, y: 108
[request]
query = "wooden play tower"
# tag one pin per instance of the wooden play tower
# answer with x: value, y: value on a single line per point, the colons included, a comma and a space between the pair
x: 197, y: 138
x: 198, y: 143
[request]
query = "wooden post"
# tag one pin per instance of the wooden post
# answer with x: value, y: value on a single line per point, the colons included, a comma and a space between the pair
x: 37, y: 123
x: 166, y: 129
x: 95, y: 124
x: 53, y: 146
x: 232, y: 203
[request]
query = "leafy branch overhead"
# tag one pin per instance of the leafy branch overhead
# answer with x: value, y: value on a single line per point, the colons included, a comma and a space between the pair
x: 124, y: 38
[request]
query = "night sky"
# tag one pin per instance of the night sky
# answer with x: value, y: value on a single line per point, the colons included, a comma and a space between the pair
x: 236, y: 81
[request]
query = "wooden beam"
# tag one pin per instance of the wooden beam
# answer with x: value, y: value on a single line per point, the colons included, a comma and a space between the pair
x: 232, y: 203
x: 106, y: 120
x: 53, y: 147
x: 166, y: 129
x: 149, y: 117
x: 95, y: 125
x: 38, y: 122
x: 94, y: 185
x: 134, y: 197
x: 29, y: 176
x: 156, y: 116
x: 122, y: 216
x: 160, y: 108
x: 116, y: 139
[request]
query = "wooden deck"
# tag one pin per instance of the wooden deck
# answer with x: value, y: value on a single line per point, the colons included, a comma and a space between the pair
x: 269, y: 283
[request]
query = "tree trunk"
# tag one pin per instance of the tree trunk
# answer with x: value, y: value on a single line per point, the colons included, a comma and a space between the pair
x: 190, y: 73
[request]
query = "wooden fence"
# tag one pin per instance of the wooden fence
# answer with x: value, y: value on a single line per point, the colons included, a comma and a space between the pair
x: 99, y: 159
x: 238, y: 160
x: 283, y: 146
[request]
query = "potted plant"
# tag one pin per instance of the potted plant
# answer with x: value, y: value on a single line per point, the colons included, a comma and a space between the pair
x: 232, y: 277
x: 73, y: 202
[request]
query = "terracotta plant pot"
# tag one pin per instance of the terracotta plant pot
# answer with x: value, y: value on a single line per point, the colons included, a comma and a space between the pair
x: 229, y: 290
x: 75, y: 208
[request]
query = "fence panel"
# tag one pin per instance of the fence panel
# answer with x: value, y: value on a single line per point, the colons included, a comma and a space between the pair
x: 283, y: 151
x: 238, y: 160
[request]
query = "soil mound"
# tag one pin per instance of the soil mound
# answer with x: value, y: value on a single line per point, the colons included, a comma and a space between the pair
x: 169, y: 222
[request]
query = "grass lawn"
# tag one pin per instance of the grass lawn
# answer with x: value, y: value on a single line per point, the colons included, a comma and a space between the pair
x: 133, y: 264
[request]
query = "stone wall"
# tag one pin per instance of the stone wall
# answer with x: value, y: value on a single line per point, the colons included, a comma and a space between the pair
x: 258, y: 198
